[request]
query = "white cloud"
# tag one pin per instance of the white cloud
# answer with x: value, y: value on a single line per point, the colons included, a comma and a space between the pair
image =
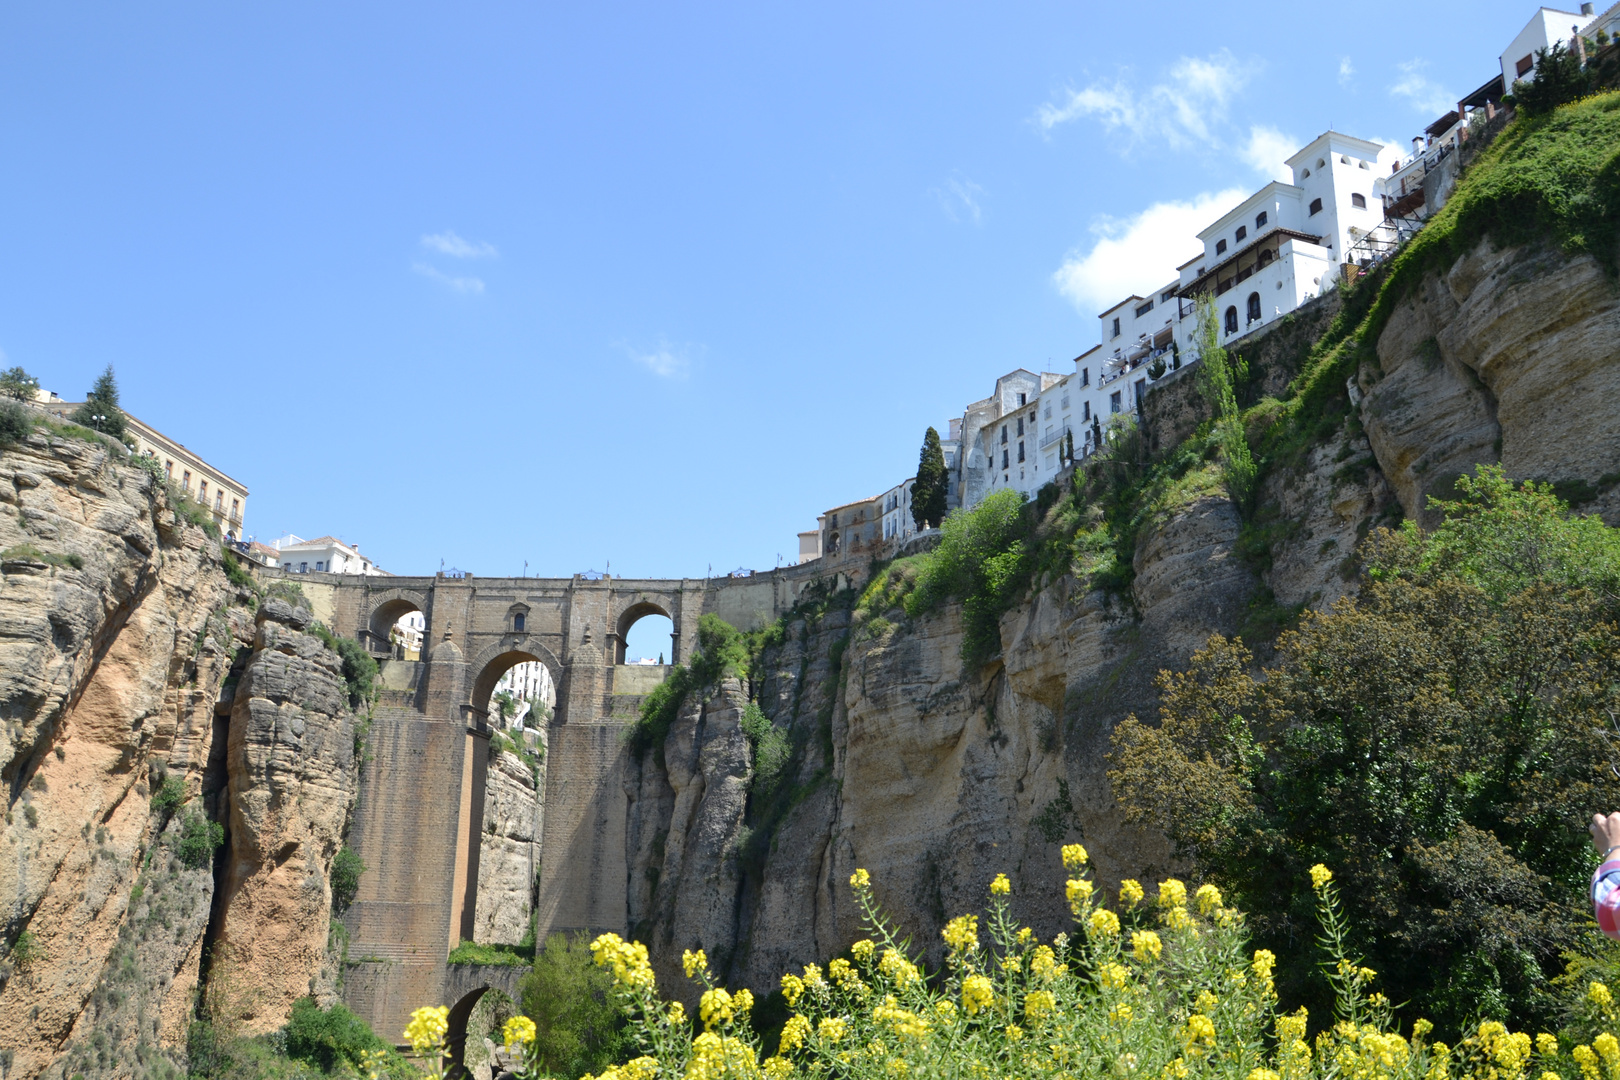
x: 455, y: 284
x: 666, y: 361
x: 448, y: 243
x: 1182, y: 111
x: 1138, y: 254
x: 1424, y: 95
x: 959, y: 198
x: 1266, y: 151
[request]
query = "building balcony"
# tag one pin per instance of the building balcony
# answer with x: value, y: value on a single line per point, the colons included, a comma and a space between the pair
x: 1056, y: 436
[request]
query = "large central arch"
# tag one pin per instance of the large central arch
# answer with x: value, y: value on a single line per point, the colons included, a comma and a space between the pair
x: 500, y: 657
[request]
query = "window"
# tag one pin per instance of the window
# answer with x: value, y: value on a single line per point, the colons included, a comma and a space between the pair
x: 320, y: 566
x: 1022, y: 400
x: 185, y: 480
x: 1254, y: 307
x: 1085, y: 411
x: 219, y: 500
x: 1321, y: 164
x: 1064, y: 404
x: 1343, y: 160
x: 1359, y: 200
x: 287, y: 566
x: 1020, y: 425
x: 1260, y: 220
x: 1316, y: 206
x: 303, y: 568
x: 1085, y: 376
x: 1116, y: 329
x: 168, y: 470
x: 1144, y: 309
x: 1265, y: 257
x: 1231, y: 320
x: 518, y: 621
x: 1243, y: 230
x: 1020, y: 452
x: 236, y: 509
x: 1003, y: 434
x: 1307, y: 172
x: 1524, y: 65
x: 1049, y: 410
x: 1113, y: 402
x: 202, y: 492
x: 1004, y: 459
x: 1220, y: 247
x: 832, y: 522
x: 1164, y: 297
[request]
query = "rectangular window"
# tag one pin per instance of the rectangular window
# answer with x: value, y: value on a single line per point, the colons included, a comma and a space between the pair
x: 1358, y: 200
x: 1004, y: 459
x: 303, y: 568
x: 1003, y: 434
x: 1220, y: 247
x: 1144, y: 309
x: 1316, y: 207
x: 287, y: 567
x: 1113, y: 402
x: 320, y: 566
x: 1020, y: 453
x: 1524, y: 65
x: 1085, y: 376
x: 1051, y: 462
x: 1049, y: 410
x: 1116, y: 329
x: 236, y: 508
x: 1164, y: 297
x: 1064, y: 404
x: 1020, y: 425
x: 1141, y: 388
x: 202, y: 491
x: 185, y: 480
x: 168, y: 470
x: 1085, y: 411
x: 219, y: 500
x: 1022, y: 400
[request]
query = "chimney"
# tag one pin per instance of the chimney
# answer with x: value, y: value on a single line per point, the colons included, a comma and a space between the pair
x: 1586, y: 9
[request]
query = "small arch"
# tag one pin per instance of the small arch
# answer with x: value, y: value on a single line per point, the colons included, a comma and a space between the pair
x: 1220, y: 247
x: 634, y: 614
x: 1320, y: 163
x: 517, y: 619
x: 1231, y: 320
x: 1265, y: 257
x: 389, y: 609
x: 1316, y: 207
x: 1254, y: 307
x: 1358, y: 200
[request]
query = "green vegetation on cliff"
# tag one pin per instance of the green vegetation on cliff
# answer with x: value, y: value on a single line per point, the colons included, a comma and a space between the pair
x: 722, y: 652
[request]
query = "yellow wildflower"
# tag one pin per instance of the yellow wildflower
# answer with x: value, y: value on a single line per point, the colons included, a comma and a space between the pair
x: 839, y: 970
x: 962, y: 933
x: 832, y: 1028
x: 1551, y: 1076
x: 1264, y: 961
x: 1366, y: 974
x: 1025, y: 936
x: 1043, y: 965
x: 897, y: 967
x: 1172, y: 893
x: 1206, y: 1002
x: 1074, y: 856
x: 1199, y: 1029
x: 977, y: 993
x: 1547, y: 1045
x: 1145, y: 945
x: 1176, y: 918
x: 1078, y: 891
x: 693, y: 962
x: 1012, y: 963
x: 1114, y: 976
x: 627, y: 959
x: 1120, y: 1014
x: 427, y: 1029
x: 812, y: 977
x: 1587, y: 1061
x: 792, y: 989
x: 1000, y: 886
x: 1598, y: 994
x: 677, y: 1013
x: 860, y: 879
x: 1609, y: 1050
x: 1208, y: 899
x: 1014, y: 1033
x: 743, y: 1001
x: 862, y: 951
x: 794, y: 1033
x: 715, y: 1008
x: 641, y: 1068
x: 777, y: 1068
x: 517, y: 1033
x: 1038, y: 1005
x: 1421, y: 1027
x: 946, y: 1010
x: 1104, y: 922
x: 1130, y: 892
x: 1263, y: 1074
x: 1320, y: 876
x: 1176, y: 1070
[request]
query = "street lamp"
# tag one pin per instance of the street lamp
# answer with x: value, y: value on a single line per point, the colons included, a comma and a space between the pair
x: 97, y: 420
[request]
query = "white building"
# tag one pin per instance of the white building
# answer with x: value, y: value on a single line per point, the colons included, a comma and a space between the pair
x: 1546, y: 26
x: 326, y: 554
x: 998, y: 434
x: 530, y: 685
x: 897, y: 521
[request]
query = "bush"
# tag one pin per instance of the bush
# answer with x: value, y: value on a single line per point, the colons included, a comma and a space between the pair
x: 471, y: 952
x: 578, y: 1026
x: 346, y: 871
x: 169, y: 796
x: 333, y: 1039
x: 15, y: 423
x: 359, y: 669
x: 236, y: 573
x: 17, y: 384
x: 722, y: 651
x: 1433, y: 740
x: 984, y: 561
x: 198, y: 839
x: 25, y: 950
x: 770, y: 747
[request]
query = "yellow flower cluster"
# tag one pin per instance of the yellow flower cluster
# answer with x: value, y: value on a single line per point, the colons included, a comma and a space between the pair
x: 1114, y: 976
x: 1078, y: 892
x: 427, y: 1029
x: 1130, y: 892
x: 1038, y: 1005
x: 862, y: 951
x: 693, y: 962
x: 373, y: 1063
x: 1172, y: 893
x: 1598, y: 994
x: 1320, y: 876
x: 1198, y: 1034
x: 901, y: 1022
x: 897, y: 967
x: 792, y: 988
x: 794, y: 1032
x: 977, y: 993
x: 1043, y: 964
x: 1176, y: 918
x: 517, y: 1033
x: 715, y: 1008
x: 1103, y: 922
x: 962, y: 933
x: 627, y: 960
x: 1000, y: 886
x: 1074, y: 857
x: 1146, y: 946
x: 860, y: 879
x: 714, y: 1057
x: 1208, y: 899
x: 642, y: 1068
x: 1120, y: 1014
x: 832, y: 1028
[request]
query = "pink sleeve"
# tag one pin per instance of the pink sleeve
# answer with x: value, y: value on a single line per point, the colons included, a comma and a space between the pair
x: 1606, y: 897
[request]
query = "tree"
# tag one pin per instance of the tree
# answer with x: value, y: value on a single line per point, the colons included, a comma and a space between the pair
x: 577, y: 1022
x: 928, y: 493
x: 1437, y: 742
x: 100, y: 409
x: 1559, y: 78
x: 1217, y: 382
x: 17, y: 383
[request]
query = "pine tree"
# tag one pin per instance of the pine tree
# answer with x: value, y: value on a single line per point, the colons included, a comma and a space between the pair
x: 928, y: 493
x: 100, y: 409
x: 17, y: 383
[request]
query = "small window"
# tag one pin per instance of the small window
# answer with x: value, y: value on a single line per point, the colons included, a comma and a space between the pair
x: 287, y: 567
x: 1049, y: 410
x: 320, y: 566
x: 1321, y: 164
x: 1116, y: 329
x: 1144, y: 309
x: 1020, y: 426
x: 1113, y: 402
x: 1254, y: 307
x: 1343, y: 160
x: 1359, y: 201
x: 1200, y: 271
x: 518, y: 621
x: 1003, y: 434
x: 1085, y: 412
x: 1164, y: 297
x: 1085, y: 376
x: 303, y: 568
x: 1242, y: 231
x: 1020, y: 453
x: 1524, y: 65
x: 1220, y: 247
x: 1064, y: 404
x: 236, y: 508
x: 1316, y: 206
x: 1307, y: 172
x: 168, y: 470
x: 1260, y: 220
x: 1022, y: 400
x: 219, y: 500
x: 185, y: 480
x: 1004, y: 459
x: 1231, y: 320
x: 1266, y: 256
x: 202, y: 491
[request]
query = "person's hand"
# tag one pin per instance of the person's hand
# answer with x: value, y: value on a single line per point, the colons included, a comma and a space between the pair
x: 1606, y: 831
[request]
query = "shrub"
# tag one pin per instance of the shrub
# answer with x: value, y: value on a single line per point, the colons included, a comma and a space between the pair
x: 578, y: 1027
x: 18, y: 385
x: 770, y: 747
x: 25, y: 950
x: 722, y: 651
x: 359, y: 669
x: 198, y: 839
x: 472, y: 952
x: 983, y: 560
x: 346, y: 871
x: 236, y: 573
x: 333, y: 1039
x: 100, y: 412
x: 1433, y: 739
x: 169, y: 796
x: 15, y: 423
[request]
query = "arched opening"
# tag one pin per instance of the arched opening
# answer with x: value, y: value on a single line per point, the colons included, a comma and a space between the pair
x: 1254, y: 307
x: 1231, y: 320
x: 475, y: 1018
x: 516, y: 689
x: 645, y: 636
x: 396, y: 630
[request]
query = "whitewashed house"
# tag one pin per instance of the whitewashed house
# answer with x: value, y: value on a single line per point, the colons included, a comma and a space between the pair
x: 323, y: 555
x: 998, y: 439
x: 1546, y: 26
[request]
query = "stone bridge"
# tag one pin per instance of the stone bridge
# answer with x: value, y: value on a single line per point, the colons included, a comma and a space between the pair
x: 418, y: 818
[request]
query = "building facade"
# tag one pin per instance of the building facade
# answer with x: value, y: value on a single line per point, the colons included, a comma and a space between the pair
x: 323, y: 555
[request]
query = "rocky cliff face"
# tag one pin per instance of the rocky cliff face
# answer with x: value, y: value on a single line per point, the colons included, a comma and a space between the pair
x: 508, y: 861
x: 121, y: 641
x: 935, y: 778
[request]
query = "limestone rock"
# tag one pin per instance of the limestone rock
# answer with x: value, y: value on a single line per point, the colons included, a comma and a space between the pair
x: 509, y: 854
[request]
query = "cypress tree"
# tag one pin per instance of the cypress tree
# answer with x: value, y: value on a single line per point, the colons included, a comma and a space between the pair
x: 928, y: 493
x: 102, y: 401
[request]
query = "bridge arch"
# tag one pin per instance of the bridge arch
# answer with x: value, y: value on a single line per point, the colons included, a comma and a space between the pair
x: 634, y: 613
x: 386, y: 608
x: 496, y: 659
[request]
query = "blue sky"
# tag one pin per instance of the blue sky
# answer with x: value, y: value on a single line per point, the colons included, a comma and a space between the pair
x: 648, y: 285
